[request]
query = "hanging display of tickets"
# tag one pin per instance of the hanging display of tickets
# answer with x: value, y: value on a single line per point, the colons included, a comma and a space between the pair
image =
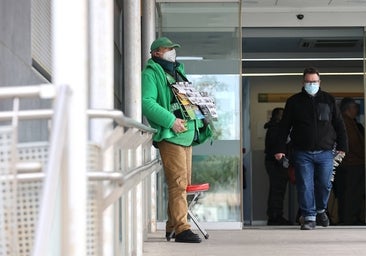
x: 195, y: 104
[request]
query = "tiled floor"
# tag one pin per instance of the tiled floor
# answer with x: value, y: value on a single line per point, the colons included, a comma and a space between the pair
x: 264, y: 241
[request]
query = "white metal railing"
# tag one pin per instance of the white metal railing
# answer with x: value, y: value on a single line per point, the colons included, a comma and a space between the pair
x: 38, y: 173
x: 11, y: 203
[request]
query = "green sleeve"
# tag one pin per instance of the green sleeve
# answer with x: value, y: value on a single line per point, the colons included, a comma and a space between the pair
x: 154, y: 109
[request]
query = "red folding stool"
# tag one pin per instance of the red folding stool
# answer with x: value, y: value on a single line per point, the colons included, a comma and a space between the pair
x: 196, y: 190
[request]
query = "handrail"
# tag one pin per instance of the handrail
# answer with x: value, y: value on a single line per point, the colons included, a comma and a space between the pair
x: 28, y: 166
x: 28, y: 170
x: 120, y: 178
x: 120, y: 119
x: 116, y: 115
x: 27, y: 114
x: 42, y: 90
x: 131, y: 178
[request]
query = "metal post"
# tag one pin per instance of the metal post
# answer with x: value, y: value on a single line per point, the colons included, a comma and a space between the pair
x: 70, y: 65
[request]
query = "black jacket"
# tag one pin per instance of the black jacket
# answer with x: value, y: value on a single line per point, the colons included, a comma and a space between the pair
x: 314, y: 123
x: 271, y: 140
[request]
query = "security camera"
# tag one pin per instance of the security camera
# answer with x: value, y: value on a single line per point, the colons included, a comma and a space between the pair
x: 300, y: 16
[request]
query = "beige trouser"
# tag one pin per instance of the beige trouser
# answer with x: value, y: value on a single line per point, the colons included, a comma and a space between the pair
x: 177, y: 163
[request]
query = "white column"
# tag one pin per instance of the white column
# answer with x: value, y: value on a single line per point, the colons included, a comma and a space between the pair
x: 70, y: 67
x: 132, y: 58
x: 101, y: 64
x: 132, y: 81
x: 101, y: 40
x: 148, y: 36
x: 148, y: 27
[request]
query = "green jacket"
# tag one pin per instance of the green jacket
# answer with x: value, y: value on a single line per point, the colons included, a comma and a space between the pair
x: 156, y: 100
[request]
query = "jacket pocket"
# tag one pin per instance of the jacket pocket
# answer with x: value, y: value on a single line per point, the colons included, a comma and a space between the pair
x: 324, y: 113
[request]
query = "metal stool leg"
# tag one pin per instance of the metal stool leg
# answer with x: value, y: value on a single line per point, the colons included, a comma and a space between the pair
x: 203, y: 231
x: 191, y: 215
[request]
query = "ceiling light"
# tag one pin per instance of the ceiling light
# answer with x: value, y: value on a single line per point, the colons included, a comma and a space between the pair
x: 300, y: 74
x: 189, y: 58
x: 305, y: 59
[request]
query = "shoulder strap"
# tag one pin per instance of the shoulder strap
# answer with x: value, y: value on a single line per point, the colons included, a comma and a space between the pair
x: 172, y: 80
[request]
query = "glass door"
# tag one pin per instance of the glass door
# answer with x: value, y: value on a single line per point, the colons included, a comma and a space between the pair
x: 210, y: 36
x: 273, y: 60
x: 364, y: 83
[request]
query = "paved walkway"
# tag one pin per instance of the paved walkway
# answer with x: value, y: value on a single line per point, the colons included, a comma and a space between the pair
x: 262, y: 241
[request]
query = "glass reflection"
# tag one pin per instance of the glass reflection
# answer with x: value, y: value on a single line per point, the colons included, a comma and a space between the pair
x: 210, y: 37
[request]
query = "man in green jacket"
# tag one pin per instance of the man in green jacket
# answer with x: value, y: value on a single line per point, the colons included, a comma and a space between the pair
x: 175, y: 132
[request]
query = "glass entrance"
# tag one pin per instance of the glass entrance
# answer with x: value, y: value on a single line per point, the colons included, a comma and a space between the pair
x: 210, y: 36
x: 274, y: 59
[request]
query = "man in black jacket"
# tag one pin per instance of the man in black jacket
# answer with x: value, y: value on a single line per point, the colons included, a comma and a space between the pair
x: 277, y: 172
x: 316, y: 127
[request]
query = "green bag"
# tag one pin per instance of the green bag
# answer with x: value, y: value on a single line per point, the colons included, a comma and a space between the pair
x: 203, y: 133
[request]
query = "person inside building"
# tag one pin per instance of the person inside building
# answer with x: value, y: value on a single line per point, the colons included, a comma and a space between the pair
x: 315, y: 125
x: 277, y: 172
x: 350, y: 176
x: 176, y: 133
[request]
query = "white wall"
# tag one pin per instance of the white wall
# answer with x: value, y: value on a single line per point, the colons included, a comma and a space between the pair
x: 15, y: 58
x: 15, y: 44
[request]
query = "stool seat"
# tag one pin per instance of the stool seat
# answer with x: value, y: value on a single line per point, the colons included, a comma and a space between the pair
x: 197, y: 187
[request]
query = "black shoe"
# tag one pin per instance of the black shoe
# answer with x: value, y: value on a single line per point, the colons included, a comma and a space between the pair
x: 187, y: 236
x: 308, y: 225
x: 279, y: 221
x: 322, y: 219
x: 168, y: 235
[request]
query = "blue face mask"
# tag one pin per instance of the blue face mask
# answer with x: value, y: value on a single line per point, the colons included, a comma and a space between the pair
x: 311, y: 88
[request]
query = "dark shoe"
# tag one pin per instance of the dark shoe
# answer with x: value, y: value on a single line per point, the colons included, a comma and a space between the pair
x: 322, y: 219
x: 301, y: 220
x: 169, y: 235
x: 187, y: 236
x: 308, y: 225
x: 279, y: 221
x: 298, y: 216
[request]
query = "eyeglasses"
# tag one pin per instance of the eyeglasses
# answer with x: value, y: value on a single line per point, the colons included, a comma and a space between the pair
x: 314, y: 81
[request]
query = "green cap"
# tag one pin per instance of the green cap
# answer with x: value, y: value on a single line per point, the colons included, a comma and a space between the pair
x: 163, y: 42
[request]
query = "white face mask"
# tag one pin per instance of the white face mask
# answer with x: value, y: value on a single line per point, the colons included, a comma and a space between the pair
x: 311, y: 88
x: 169, y: 55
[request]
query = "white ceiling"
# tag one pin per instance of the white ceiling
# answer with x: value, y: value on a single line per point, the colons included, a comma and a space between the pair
x: 279, y: 3
x: 209, y: 29
x: 303, y: 3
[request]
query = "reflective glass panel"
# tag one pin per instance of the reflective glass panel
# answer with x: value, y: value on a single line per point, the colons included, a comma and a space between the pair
x: 210, y: 41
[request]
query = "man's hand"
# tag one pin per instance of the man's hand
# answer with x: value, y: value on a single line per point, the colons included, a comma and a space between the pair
x: 179, y: 125
x: 341, y: 152
x: 279, y: 156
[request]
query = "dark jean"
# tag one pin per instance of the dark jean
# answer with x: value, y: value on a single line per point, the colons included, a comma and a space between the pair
x: 278, y: 180
x: 350, y: 191
x: 313, y: 172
